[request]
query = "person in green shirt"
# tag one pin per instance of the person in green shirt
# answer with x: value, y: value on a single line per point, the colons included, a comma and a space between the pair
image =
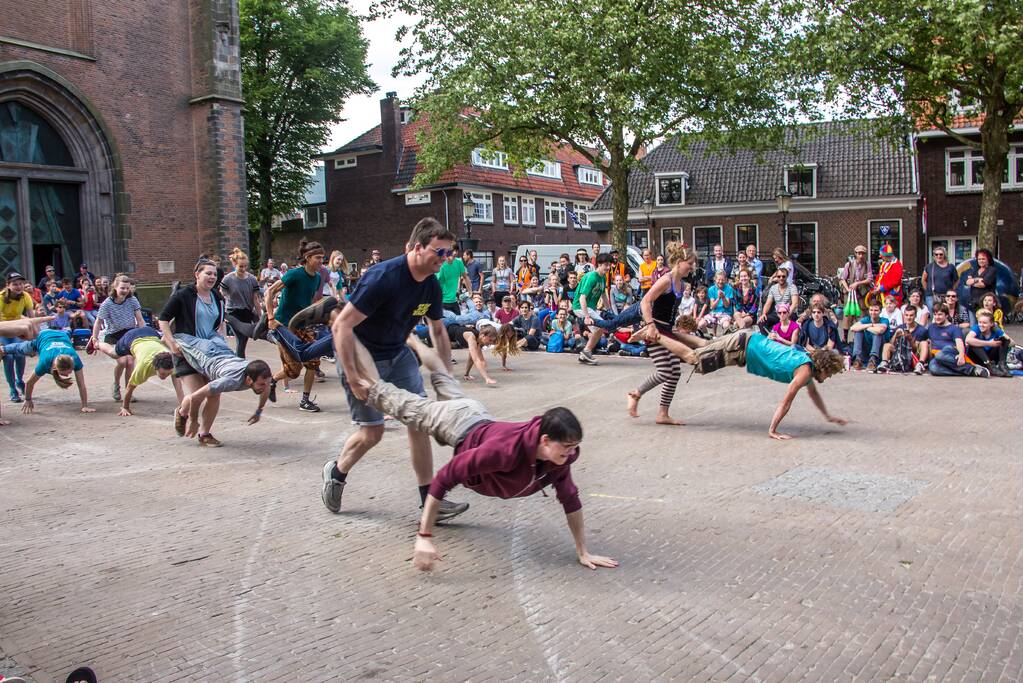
x: 760, y: 356
x: 588, y: 295
x: 452, y: 273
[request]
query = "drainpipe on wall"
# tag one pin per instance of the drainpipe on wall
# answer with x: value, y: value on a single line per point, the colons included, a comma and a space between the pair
x: 446, y: 209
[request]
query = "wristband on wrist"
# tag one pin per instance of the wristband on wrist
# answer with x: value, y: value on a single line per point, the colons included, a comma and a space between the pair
x: 424, y: 534
x: 259, y: 411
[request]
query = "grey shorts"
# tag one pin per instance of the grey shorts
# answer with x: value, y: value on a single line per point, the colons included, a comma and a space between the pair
x: 402, y: 371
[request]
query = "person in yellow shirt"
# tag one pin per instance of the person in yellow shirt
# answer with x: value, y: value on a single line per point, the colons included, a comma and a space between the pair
x: 151, y: 357
x: 646, y: 272
x: 15, y: 304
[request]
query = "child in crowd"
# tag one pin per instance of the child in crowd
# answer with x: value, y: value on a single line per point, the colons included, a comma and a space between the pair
x: 61, y: 318
x: 702, y: 307
x: 687, y: 304
x: 785, y: 331
x: 818, y: 331
x: 990, y: 304
x: 891, y: 311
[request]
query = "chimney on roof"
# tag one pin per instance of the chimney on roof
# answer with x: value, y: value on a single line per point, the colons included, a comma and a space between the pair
x: 642, y: 152
x: 390, y: 129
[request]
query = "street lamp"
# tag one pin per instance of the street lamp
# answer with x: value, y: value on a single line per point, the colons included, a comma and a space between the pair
x: 784, y: 198
x: 648, y: 208
x: 468, y: 212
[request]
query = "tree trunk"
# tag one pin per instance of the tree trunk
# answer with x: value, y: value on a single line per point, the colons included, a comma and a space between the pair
x: 265, y: 191
x: 264, y: 238
x: 994, y: 141
x: 618, y: 174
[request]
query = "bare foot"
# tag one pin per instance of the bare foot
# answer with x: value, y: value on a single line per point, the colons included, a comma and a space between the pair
x: 4, y: 423
x: 779, y: 436
x: 507, y: 369
x: 468, y: 378
x: 633, y: 408
x: 668, y: 420
x: 491, y: 382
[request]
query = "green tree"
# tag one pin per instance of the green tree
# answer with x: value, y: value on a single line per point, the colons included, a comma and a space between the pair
x: 301, y: 60
x: 608, y: 77
x: 904, y: 60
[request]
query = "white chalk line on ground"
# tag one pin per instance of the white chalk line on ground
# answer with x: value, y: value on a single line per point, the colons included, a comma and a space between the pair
x: 241, y: 602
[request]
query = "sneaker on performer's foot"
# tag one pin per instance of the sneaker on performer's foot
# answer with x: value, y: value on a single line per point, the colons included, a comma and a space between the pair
x: 447, y: 510
x: 260, y: 330
x: 587, y: 357
x: 919, y: 368
x: 209, y: 441
x: 317, y: 314
x: 116, y: 393
x: 332, y: 488
x: 307, y: 405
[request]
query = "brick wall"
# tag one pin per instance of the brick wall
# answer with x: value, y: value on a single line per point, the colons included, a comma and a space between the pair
x: 958, y: 214
x: 838, y: 232
x: 182, y: 165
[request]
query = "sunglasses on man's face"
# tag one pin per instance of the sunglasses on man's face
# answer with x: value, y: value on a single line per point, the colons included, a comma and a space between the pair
x: 443, y: 253
x: 861, y: 253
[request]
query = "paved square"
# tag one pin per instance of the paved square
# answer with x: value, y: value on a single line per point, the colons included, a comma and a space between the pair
x: 151, y: 559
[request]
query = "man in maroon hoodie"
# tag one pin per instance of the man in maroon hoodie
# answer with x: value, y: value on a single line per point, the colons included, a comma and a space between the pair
x: 501, y: 459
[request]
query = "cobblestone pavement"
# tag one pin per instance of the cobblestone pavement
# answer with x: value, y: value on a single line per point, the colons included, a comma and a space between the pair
x: 887, y: 549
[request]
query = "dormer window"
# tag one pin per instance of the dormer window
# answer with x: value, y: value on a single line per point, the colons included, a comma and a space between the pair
x: 406, y: 116
x: 671, y: 188
x: 958, y: 103
x: 546, y: 169
x: 345, y: 162
x: 802, y: 181
x: 490, y: 158
x: 590, y: 176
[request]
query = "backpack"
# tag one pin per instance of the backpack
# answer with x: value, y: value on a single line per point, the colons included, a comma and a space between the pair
x: 902, y: 356
x: 556, y: 343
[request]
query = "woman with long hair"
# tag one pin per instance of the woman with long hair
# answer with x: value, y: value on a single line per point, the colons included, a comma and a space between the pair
x: 660, y: 308
x: 502, y: 338
x: 747, y: 303
x: 980, y: 280
x: 338, y: 284
x: 118, y: 314
x: 241, y: 289
x: 15, y: 304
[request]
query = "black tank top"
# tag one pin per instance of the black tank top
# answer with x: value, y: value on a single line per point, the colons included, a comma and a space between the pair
x: 665, y: 307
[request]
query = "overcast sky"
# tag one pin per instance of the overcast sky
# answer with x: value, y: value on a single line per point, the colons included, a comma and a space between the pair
x: 363, y: 112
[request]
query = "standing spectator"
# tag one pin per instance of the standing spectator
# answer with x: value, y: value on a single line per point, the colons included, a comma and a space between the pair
x: 474, y: 270
x: 338, y: 276
x: 47, y: 278
x: 949, y: 348
x: 782, y: 260
x: 502, y: 280
x: 268, y: 275
x: 715, y: 262
x: 587, y: 301
x: 83, y: 271
x: 534, y: 263
x: 618, y: 267
x: 564, y: 268
x: 15, y: 304
x: 756, y: 264
x: 451, y: 276
x: 869, y: 336
x: 889, y: 274
x: 374, y: 257
x: 524, y: 273
x: 582, y: 263
x: 939, y: 277
x: 244, y: 304
x: 781, y: 290
x: 595, y: 248
x: 660, y: 268
x: 988, y: 346
x: 646, y: 274
x: 118, y: 315
x: 855, y: 277
x: 980, y: 280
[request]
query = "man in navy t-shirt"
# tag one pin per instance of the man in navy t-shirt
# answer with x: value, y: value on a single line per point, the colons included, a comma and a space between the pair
x: 390, y: 298
x: 987, y: 345
x: 950, y: 349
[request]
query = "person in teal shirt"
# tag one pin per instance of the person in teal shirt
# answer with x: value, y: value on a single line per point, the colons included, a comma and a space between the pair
x: 762, y: 357
x: 452, y: 273
x: 57, y: 357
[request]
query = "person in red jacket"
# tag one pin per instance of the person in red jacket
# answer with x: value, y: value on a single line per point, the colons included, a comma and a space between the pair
x: 889, y: 276
x: 493, y: 458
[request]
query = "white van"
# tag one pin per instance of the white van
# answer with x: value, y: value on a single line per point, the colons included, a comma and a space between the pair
x: 548, y: 253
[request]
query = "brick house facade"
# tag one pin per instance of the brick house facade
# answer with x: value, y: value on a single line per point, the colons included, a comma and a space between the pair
x: 122, y: 133
x: 858, y: 190
x: 953, y: 199
x: 370, y: 204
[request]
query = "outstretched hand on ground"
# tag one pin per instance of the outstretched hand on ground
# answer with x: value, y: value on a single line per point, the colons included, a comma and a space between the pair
x: 594, y: 561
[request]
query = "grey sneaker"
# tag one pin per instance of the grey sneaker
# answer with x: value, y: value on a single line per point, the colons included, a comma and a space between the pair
x: 919, y: 369
x: 447, y: 510
x: 981, y: 371
x: 587, y: 357
x: 117, y: 391
x: 332, y: 489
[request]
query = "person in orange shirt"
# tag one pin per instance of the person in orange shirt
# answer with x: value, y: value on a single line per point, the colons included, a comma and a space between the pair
x: 646, y: 272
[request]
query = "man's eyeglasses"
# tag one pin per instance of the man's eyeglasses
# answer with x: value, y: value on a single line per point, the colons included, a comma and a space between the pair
x: 443, y: 253
x: 861, y: 253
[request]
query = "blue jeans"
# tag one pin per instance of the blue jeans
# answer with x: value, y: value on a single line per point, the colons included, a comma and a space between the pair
x: 861, y: 340
x: 14, y: 367
x: 628, y: 317
x: 402, y: 371
x: 944, y: 364
x: 305, y: 351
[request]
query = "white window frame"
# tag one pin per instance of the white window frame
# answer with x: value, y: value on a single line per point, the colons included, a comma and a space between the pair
x: 494, y: 159
x: 681, y: 235
x: 406, y: 116
x: 527, y: 210
x: 683, y: 178
x: 545, y: 168
x: 583, y: 214
x: 968, y: 156
x: 591, y: 176
x: 955, y: 104
x: 511, y: 201
x: 802, y: 167
x: 628, y: 237
x: 719, y: 240
x: 756, y: 228
x: 484, y: 202
x: 416, y: 198
x: 346, y: 162
x: 816, y: 242
x: 886, y: 220
x: 321, y: 212
x: 949, y: 245
x: 559, y: 206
